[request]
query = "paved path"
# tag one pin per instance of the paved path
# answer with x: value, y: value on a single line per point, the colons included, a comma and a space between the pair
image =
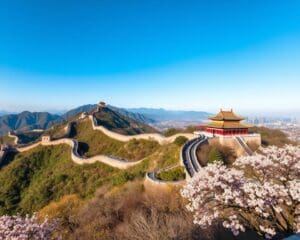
x: 189, y: 155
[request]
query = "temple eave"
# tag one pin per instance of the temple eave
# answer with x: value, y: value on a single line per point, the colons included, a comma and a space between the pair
x: 241, y: 126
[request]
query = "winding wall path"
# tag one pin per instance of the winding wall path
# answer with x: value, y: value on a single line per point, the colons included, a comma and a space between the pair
x: 16, y: 138
x: 151, y: 179
x: 114, y: 162
x: 161, y: 139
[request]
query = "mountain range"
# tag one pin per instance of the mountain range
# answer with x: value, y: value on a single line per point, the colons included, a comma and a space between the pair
x: 160, y: 114
x: 26, y: 120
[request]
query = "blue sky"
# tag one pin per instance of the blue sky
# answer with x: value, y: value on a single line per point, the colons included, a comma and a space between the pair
x: 200, y: 55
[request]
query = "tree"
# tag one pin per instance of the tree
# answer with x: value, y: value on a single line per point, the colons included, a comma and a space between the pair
x: 180, y: 140
x: 260, y: 192
x: 214, y: 155
x: 24, y: 228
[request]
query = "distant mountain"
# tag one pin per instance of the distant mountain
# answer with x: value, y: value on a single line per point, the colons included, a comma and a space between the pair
x: 25, y: 121
x: 160, y: 114
x: 43, y: 120
x: 75, y: 111
x: 2, y: 113
x: 134, y: 115
x: 89, y: 107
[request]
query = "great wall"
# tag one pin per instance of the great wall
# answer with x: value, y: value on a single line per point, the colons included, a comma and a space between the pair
x: 111, y: 161
x: 150, y: 178
x: 147, y: 136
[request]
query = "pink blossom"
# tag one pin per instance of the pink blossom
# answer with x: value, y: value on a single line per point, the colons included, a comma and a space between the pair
x: 262, y: 187
x: 24, y: 228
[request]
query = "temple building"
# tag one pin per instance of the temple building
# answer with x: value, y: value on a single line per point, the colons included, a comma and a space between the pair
x: 227, y: 123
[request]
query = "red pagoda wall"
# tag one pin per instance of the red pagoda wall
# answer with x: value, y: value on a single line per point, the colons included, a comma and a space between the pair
x: 227, y: 132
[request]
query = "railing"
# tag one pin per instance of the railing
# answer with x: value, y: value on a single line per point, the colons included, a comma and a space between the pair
x: 244, y: 145
x: 189, y: 155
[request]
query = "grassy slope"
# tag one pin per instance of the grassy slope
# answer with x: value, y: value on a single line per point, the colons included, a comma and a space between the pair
x: 44, y: 174
x: 93, y: 142
x: 172, y: 131
x: 32, y: 179
x: 117, y: 122
x: 173, y: 174
x: 272, y: 136
x: 29, y: 137
x: 56, y: 131
x: 7, y: 140
x: 168, y: 155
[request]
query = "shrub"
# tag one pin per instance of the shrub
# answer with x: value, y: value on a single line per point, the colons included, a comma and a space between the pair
x: 180, y: 140
x: 172, y: 131
x: 63, y: 212
x: 134, y: 214
x: 173, y: 174
x: 272, y: 136
x: 214, y: 155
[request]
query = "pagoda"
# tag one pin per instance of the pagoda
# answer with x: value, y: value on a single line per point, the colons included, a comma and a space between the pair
x: 227, y: 123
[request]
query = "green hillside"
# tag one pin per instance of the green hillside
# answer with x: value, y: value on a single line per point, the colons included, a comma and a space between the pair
x: 117, y: 122
x: 44, y: 175
x: 7, y: 140
x: 57, y: 131
x: 26, y: 121
x: 36, y: 177
x: 29, y: 137
x: 33, y: 179
x: 93, y: 142
x: 272, y: 136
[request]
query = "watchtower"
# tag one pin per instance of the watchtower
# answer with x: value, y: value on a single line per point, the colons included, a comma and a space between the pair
x: 46, y: 139
x: 101, y: 105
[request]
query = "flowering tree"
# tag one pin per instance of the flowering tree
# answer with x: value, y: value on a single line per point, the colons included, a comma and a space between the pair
x: 24, y: 228
x: 261, y: 192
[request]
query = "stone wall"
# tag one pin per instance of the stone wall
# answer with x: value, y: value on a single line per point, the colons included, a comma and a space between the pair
x: 151, y: 181
x: 148, y: 136
x: 232, y: 142
x: 252, y: 139
x: 114, y: 162
x: 16, y: 138
x: 2, y: 155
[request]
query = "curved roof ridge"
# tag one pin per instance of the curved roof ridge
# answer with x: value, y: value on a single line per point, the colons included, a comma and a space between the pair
x: 226, y: 115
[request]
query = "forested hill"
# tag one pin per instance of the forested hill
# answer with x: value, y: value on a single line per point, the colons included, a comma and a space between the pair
x: 25, y: 121
x: 118, y: 122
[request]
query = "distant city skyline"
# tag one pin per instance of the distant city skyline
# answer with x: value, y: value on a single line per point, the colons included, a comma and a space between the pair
x: 185, y: 55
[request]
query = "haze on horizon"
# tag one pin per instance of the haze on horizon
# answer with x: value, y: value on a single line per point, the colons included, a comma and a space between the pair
x: 197, y: 55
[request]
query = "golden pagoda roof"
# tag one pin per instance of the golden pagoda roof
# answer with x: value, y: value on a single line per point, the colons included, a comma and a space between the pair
x: 227, y: 125
x: 226, y: 116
